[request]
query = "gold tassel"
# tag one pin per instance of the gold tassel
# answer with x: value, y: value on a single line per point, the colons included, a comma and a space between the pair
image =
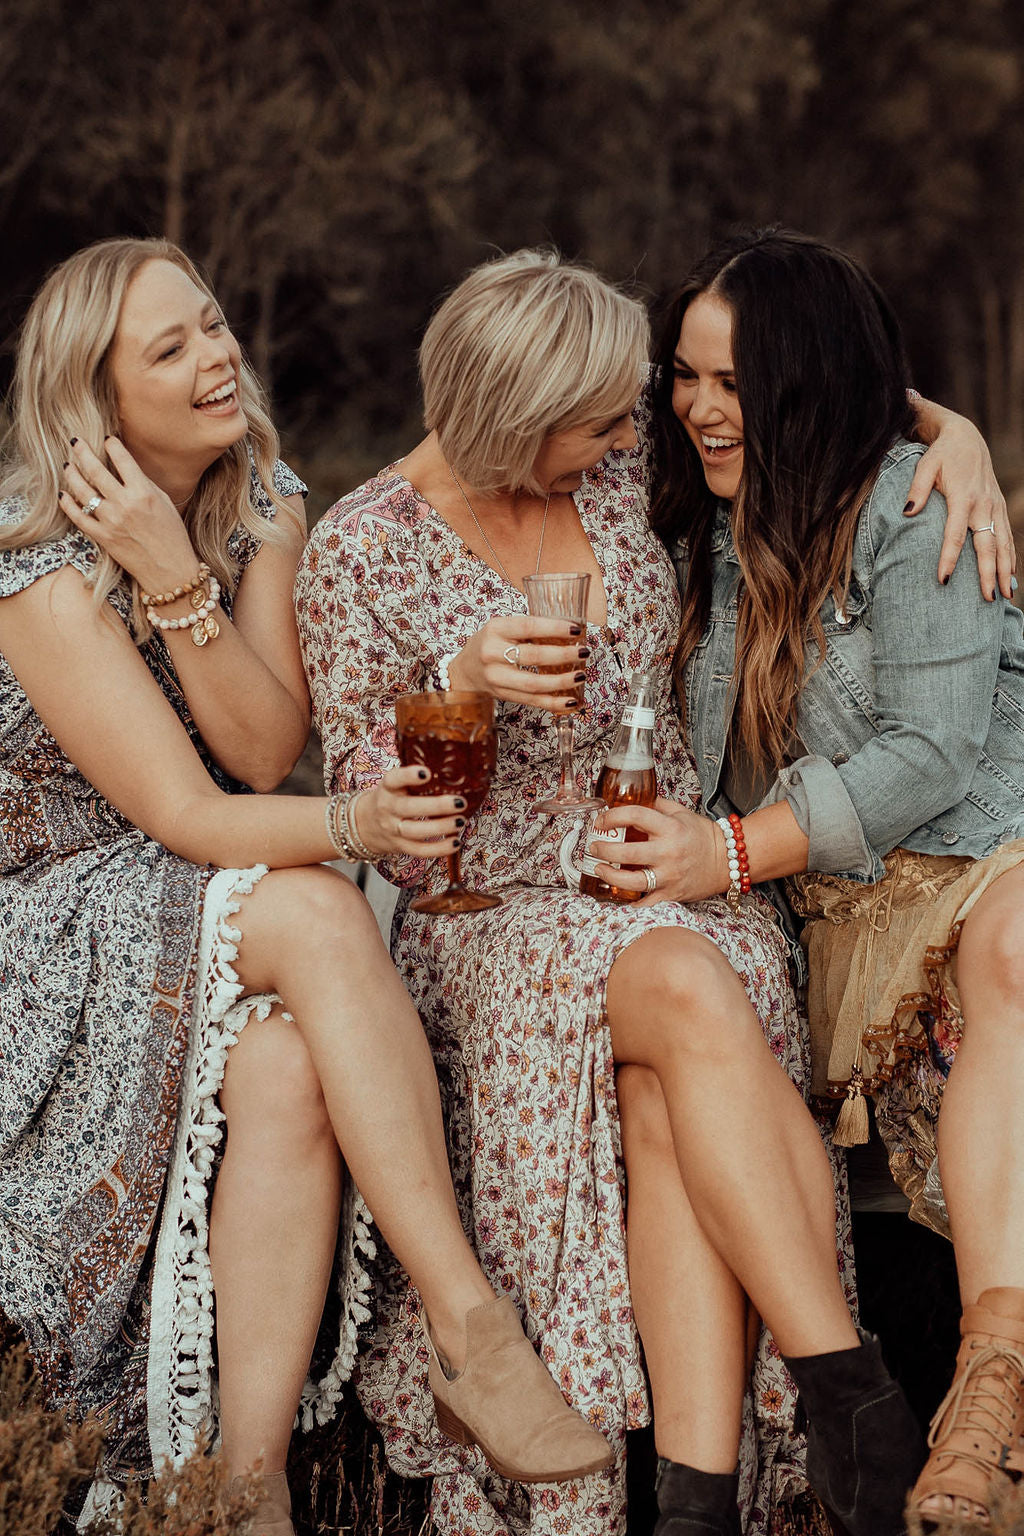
x: 852, y: 1124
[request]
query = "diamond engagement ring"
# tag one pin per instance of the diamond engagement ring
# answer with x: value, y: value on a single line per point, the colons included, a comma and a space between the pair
x: 91, y: 505
x: 988, y: 528
x: 651, y: 876
x: 511, y: 655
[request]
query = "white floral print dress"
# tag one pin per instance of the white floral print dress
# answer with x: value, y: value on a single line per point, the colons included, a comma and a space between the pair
x: 513, y: 998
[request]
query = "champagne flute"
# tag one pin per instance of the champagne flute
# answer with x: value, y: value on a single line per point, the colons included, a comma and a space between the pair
x: 562, y: 595
x: 452, y: 734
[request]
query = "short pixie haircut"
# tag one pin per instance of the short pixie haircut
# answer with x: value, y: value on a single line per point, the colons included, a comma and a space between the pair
x: 526, y: 345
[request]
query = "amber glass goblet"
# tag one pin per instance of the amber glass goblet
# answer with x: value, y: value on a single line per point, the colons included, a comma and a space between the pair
x: 452, y: 734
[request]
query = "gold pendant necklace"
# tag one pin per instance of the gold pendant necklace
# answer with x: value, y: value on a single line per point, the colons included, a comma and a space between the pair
x: 483, y: 532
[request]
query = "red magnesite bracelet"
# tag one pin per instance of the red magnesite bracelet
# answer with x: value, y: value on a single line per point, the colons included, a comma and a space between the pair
x: 741, y: 853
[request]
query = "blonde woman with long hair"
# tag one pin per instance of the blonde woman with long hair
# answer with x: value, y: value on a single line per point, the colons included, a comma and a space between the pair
x: 191, y: 1042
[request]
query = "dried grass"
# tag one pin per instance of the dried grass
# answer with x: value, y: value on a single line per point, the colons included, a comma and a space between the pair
x: 340, y: 1484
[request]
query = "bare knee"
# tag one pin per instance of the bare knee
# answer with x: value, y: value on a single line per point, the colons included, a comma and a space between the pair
x: 292, y: 913
x: 675, y: 990
x: 271, y: 1088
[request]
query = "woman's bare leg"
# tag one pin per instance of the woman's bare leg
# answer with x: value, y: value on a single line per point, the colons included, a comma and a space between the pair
x: 273, y: 1230
x: 752, y: 1163
x: 308, y: 935
x: 981, y: 1129
x: 690, y: 1309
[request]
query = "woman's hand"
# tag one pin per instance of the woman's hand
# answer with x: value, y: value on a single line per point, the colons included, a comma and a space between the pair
x: 135, y: 522
x: 685, y: 851
x: 497, y: 658
x: 392, y: 818
x: 959, y: 465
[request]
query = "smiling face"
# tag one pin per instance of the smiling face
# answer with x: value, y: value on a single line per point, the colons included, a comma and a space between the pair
x: 704, y: 393
x: 566, y: 455
x: 174, y: 366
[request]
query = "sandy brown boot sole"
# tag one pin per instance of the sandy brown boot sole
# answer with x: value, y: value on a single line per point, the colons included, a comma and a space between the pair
x: 451, y: 1425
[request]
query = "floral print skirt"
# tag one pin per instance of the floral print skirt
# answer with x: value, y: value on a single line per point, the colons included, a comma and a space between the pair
x: 513, y: 1000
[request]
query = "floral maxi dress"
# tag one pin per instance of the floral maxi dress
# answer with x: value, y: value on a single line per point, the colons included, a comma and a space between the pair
x: 118, y: 1005
x: 513, y: 998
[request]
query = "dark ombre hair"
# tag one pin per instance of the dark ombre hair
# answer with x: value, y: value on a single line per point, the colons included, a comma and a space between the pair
x: 821, y: 379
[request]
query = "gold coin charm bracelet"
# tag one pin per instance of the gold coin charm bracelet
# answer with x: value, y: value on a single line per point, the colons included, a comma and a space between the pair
x: 203, y: 594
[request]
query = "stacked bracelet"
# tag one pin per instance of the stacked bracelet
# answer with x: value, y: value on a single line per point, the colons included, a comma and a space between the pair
x: 342, y: 833
x: 199, y: 619
x: 736, y: 857
x: 161, y: 599
x: 444, y: 682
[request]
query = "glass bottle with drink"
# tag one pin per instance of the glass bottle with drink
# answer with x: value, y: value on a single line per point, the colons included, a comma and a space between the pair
x: 627, y: 778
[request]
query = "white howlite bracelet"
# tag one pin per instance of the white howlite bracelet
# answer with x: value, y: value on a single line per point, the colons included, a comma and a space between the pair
x: 732, y: 895
x: 444, y: 682
x: 198, y: 619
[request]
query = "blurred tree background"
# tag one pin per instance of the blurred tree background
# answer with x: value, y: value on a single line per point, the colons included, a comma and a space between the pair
x: 336, y: 164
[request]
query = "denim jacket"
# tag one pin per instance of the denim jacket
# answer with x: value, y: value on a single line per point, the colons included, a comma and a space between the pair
x: 913, y: 725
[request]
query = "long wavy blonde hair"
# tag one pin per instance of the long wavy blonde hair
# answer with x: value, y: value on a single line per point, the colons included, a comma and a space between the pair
x: 63, y: 389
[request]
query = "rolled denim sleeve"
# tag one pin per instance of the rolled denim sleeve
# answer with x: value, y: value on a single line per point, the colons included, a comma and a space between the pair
x: 936, y: 658
x: 814, y: 791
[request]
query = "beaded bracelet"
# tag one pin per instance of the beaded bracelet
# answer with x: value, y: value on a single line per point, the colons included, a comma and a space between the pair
x: 444, y: 682
x: 336, y: 826
x: 342, y: 833
x: 161, y: 599
x: 357, y: 842
x: 736, y: 858
x: 199, y: 620
x: 741, y: 853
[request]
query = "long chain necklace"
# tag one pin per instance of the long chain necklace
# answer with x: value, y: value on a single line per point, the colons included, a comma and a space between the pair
x: 483, y: 532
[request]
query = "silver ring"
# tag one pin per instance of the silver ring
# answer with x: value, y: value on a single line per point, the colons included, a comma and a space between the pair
x: 651, y: 876
x: 91, y: 505
x: 988, y: 528
x: 511, y: 655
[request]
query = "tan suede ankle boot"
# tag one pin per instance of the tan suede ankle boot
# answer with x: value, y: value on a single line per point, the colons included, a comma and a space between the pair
x: 273, y: 1513
x: 505, y: 1401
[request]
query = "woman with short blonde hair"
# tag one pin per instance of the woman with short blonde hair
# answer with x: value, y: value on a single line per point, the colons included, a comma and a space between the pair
x: 161, y: 984
x: 523, y: 347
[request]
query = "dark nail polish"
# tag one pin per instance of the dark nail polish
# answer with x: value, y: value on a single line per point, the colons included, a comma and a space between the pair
x: 576, y: 629
x: 421, y: 773
x: 65, y: 464
x: 460, y: 821
x: 572, y: 704
x: 579, y: 677
x: 909, y: 506
x: 460, y: 804
x: 583, y: 652
x: 74, y: 440
x: 945, y: 581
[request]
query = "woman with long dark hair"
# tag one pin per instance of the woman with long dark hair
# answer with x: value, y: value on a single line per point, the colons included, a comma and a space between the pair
x: 858, y: 728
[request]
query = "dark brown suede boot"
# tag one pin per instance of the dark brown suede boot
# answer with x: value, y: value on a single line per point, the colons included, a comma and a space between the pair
x: 864, y: 1445
x: 692, y: 1503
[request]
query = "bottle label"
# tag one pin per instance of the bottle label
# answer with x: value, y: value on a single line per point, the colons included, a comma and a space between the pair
x: 613, y: 835
x: 638, y: 716
x: 588, y: 864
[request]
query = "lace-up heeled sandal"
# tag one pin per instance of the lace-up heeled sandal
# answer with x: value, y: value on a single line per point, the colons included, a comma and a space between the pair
x: 977, y: 1434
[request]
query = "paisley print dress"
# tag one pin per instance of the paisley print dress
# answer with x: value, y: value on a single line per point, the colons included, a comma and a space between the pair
x: 513, y: 998
x: 118, y: 1004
